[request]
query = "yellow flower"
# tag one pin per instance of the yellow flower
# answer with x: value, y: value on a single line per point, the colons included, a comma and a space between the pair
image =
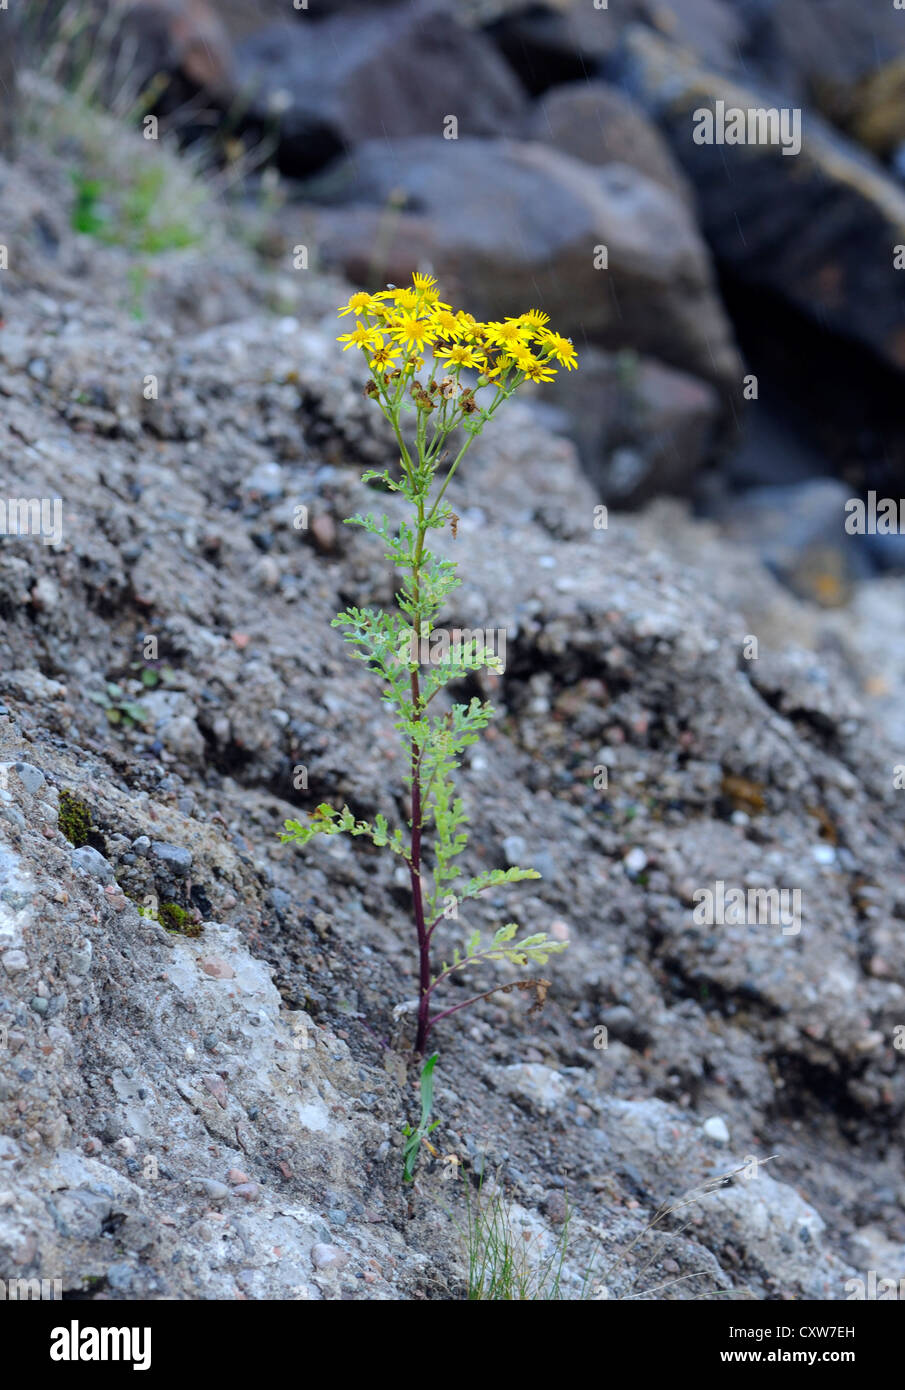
x: 561, y: 349
x: 447, y: 323
x: 404, y: 299
x: 534, y: 318
x: 425, y: 284
x: 360, y: 303
x: 508, y: 335
x: 384, y: 357
x: 461, y: 355
x: 368, y: 339
x: 538, y: 371
x: 408, y: 328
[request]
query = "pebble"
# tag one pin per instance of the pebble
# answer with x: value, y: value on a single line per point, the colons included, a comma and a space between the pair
x: 174, y: 858
x: 90, y: 862
x: 716, y: 1129
x: 636, y: 860
x: 217, y: 969
x: 329, y: 1257
x: 515, y: 850
x: 217, y: 1191
x: 236, y: 1176
x: 31, y: 778
x: 14, y: 962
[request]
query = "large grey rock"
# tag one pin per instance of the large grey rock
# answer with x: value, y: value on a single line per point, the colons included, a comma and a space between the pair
x: 596, y: 122
x: 504, y: 222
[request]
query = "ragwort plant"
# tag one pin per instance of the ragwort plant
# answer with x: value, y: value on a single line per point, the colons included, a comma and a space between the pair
x: 396, y: 330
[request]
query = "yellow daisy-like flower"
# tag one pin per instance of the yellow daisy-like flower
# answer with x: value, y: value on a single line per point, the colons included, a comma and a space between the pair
x: 523, y: 358
x: 408, y: 328
x: 406, y: 298
x: 461, y: 355
x: 508, y: 335
x: 561, y: 349
x: 539, y: 371
x: 368, y: 339
x: 425, y: 284
x: 360, y: 303
x: 447, y: 323
x: 384, y: 357
x: 534, y: 318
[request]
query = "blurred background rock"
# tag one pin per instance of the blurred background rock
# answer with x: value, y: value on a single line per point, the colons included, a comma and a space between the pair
x: 572, y: 130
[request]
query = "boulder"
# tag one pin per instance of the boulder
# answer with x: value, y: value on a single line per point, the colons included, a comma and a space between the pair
x: 818, y: 227
x: 599, y: 124
x: 396, y: 72
x: 821, y: 53
x: 641, y: 428
x: 557, y: 42
x: 502, y: 222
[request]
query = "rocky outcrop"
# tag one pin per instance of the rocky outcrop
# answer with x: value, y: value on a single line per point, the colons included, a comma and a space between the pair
x: 607, y: 252
x: 203, y: 1056
x: 820, y: 227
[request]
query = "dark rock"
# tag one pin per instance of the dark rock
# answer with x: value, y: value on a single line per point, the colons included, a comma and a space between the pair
x: 397, y: 72
x: 172, y: 858
x: 599, y: 124
x: 495, y: 217
x: 641, y: 428
x: 759, y: 206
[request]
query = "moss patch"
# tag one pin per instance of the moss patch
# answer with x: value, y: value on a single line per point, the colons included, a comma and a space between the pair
x: 175, y: 918
x: 75, y: 819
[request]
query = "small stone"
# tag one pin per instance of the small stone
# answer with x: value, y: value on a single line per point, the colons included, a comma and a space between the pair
x: 323, y: 533
x: 236, y: 1176
x: 173, y: 858
x: 514, y: 850
x: 217, y: 1191
x: 90, y: 862
x: 126, y: 1147
x: 217, y: 969
x: 250, y: 1191
x: 636, y: 860
x: 716, y: 1129
x: 217, y: 1089
x: 32, y: 778
x: 141, y: 845
x: 39, y: 1005
x: 329, y: 1257
x: 559, y: 930
x: 14, y: 962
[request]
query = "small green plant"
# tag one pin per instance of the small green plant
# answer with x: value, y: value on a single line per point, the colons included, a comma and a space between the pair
x: 414, y: 1138
x: 74, y: 819
x: 502, y: 1264
x: 396, y: 329
x: 120, y: 709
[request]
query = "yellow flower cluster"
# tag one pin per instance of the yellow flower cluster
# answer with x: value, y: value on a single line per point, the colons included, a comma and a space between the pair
x: 396, y: 327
